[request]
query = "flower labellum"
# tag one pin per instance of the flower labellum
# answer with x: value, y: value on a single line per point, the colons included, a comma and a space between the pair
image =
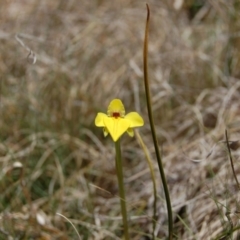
x: 116, y: 122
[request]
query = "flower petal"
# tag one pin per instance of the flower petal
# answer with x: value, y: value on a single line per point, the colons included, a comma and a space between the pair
x: 135, y: 119
x: 116, y: 105
x: 130, y: 132
x: 99, y: 120
x: 105, y: 131
x: 116, y: 126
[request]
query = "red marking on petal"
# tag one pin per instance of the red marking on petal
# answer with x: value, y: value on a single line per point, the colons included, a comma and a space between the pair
x: 116, y: 114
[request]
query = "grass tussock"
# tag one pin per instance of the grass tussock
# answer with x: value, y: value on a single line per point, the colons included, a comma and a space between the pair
x: 54, y: 160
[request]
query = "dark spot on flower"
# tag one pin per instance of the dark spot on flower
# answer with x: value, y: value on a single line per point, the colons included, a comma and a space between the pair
x: 116, y: 114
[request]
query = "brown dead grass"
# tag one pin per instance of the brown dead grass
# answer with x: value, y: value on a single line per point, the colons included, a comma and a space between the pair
x: 54, y: 160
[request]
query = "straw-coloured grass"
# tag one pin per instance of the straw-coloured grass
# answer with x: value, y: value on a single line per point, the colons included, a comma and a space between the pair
x: 54, y: 160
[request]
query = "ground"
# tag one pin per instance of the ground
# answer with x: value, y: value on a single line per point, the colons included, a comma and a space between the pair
x: 62, y: 62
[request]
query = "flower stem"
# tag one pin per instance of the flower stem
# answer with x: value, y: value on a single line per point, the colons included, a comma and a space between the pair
x: 150, y: 116
x: 121, y: 188
x: 150, y: 165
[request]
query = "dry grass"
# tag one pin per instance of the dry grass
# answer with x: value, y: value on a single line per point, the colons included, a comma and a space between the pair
x: 54, y: 160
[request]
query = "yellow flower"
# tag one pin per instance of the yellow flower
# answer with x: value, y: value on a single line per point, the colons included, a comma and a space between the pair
x: 116, y: 122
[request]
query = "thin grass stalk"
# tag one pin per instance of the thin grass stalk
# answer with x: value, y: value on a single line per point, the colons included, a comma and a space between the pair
x: 230, y: 231
x: 231, y: 160
x: 145, y: 150
x: 150, y: 116
x: 71, y: 224
x: 225, y: 234
x: 121, y: 189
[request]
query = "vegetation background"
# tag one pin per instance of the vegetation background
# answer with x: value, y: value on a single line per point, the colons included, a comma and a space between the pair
x: 61, y: 62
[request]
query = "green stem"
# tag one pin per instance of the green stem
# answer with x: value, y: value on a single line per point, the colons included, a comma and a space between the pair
x: 145, y: 150
x: 150, y: 116
x: 121, y: 188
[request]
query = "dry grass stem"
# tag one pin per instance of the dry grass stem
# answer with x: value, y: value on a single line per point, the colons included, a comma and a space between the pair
x: 61, y: 62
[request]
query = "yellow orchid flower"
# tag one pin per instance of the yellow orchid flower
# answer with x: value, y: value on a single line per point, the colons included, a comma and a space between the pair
x: 116, y: 122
